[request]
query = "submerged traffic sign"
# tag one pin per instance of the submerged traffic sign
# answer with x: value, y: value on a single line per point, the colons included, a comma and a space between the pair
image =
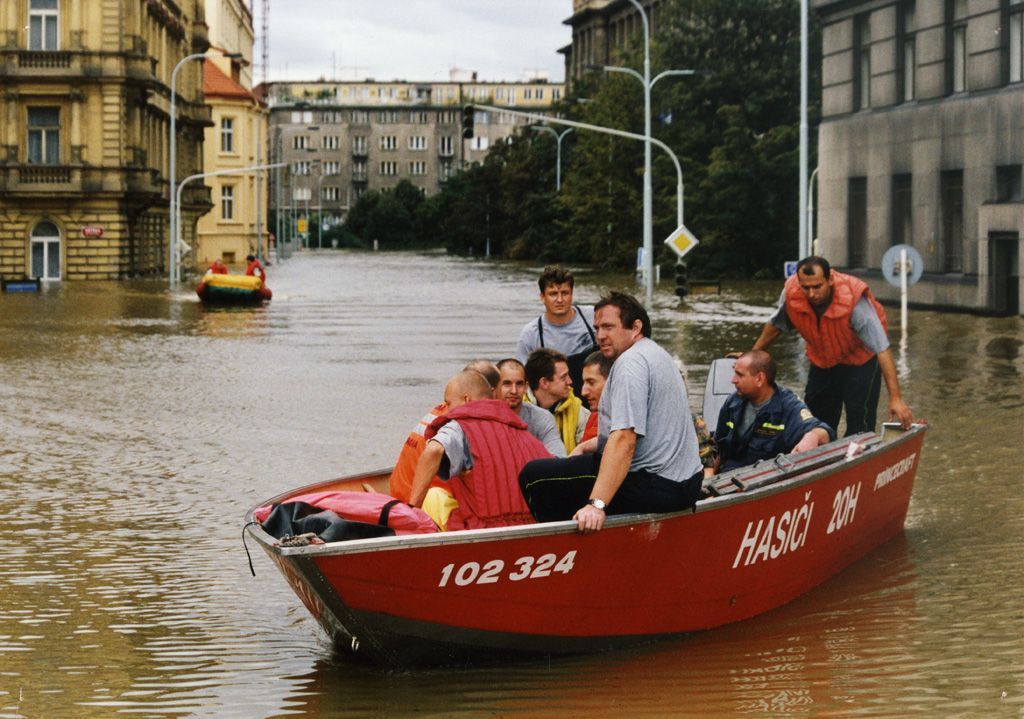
x: 681, y: 240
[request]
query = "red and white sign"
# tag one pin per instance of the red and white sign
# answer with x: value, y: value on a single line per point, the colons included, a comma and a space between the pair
x: 92, y: 231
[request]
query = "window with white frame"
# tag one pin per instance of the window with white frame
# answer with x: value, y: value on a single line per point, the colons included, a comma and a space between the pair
x: 527, y: 93
x: 389, y: 167
x: 43, y: 24
x: 330, y: 142
x: 446, y: 144
x: 227, y: 202
x: 331, y: 194
x: 302, y: 118
x: 300, y: 142
x: 446, y: 169
x: 389, y: 142
x: 479, y: 143
x: 418, y: 167
x: 359, y: 170
x: 331, y: 167
x: 418, y: 142
x: 360, y: 117
x: 359, y: 145
x: 301, y: 167
x: 862, y: 61
x: 302, y: 194
x: 419, y: 118
x: 499, y: 93
x: 45, y: 251
x: 227, y: 134
x: 447, y: 117
x: 556, y: 94
x: 44, y: 135
x: 959, y: 70
x: 540, y: 93
x: 1016, y: 44
x: 906, y: 52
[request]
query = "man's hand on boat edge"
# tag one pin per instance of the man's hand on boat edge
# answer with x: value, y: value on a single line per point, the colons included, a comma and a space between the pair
x: 589, y: 519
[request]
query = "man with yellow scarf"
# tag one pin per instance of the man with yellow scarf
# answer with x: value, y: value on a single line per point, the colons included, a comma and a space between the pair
x: 547, y: 372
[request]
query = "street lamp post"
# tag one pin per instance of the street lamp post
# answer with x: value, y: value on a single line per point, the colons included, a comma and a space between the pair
x: 172, y: 233
x: 559, y: 136
x: 320, y: 209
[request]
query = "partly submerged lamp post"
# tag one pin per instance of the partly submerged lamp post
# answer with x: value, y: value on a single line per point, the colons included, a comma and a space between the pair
x: 172, y: 233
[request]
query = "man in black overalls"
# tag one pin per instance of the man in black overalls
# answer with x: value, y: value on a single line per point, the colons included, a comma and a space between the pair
x: 564, y: 326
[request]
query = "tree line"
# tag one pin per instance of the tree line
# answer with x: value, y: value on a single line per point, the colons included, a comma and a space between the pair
x: 734, y: 127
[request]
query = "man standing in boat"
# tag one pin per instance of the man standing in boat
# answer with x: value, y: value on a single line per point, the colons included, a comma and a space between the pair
x: 647, y: 459
x: 843, y: 326
x: 564, y: 326
x: 255, y: 269
x: 547, y: 372
x: 478, y: 445
x: 762, y: 419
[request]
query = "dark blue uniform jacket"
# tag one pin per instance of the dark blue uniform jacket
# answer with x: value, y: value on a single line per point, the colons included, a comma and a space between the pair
x: 777, y: 428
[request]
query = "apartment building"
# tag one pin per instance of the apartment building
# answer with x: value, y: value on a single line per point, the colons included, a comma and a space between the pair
x: 84, y: 124
x: 922, y: 142
x: 236, y: 226
x: 341, y: 139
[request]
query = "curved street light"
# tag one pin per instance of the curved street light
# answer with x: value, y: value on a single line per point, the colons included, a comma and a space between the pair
x: 559, y: 136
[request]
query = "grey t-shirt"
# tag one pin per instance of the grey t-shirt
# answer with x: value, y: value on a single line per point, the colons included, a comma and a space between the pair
x: 645, y: 393
x: 456, y: 448
x: 864, y: 321
x: 569, y: 339
x: 541, y: 424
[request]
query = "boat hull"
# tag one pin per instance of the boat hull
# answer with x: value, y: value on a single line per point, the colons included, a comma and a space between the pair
x: 545, y: 588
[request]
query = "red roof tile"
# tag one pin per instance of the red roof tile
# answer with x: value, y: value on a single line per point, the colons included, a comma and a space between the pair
x: 217, y: 84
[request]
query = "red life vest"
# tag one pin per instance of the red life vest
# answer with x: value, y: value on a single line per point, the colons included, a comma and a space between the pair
x: 400, y: 482
x: 830, y: 339
x: 590, y: 429
x: 489, y: 494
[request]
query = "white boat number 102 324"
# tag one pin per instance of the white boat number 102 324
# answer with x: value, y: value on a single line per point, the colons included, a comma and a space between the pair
x: 494, y: 571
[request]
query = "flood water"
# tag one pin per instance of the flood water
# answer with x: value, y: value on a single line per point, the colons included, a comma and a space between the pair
x: 136, y: 428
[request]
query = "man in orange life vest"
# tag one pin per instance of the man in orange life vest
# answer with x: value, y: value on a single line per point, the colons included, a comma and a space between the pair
x: 400, y: 481
x: 844, y: 328
x: 255, y: 269
x: 478, y: 445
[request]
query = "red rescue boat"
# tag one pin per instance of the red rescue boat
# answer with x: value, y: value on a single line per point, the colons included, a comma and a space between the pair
x: 763, y: 536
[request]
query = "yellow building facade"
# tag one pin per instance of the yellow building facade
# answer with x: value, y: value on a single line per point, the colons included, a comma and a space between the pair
x: 85, y: 89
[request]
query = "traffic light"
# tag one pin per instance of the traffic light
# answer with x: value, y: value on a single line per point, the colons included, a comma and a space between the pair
x: 468, y: 114
x: 682, y: 279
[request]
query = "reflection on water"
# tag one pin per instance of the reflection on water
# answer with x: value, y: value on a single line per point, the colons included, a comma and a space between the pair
x: 137, y: 427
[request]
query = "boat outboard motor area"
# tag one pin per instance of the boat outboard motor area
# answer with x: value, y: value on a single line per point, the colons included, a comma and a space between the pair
x: 717, y: 389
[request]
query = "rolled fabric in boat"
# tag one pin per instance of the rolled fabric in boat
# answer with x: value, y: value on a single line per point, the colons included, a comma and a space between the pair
x: 364, y: 507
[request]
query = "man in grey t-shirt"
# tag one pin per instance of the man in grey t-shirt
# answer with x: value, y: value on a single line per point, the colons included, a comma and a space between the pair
x: 648, y: 459
x: 540, y: 423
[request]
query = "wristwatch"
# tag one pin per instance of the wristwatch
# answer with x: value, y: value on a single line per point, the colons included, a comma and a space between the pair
x: 597, y: 503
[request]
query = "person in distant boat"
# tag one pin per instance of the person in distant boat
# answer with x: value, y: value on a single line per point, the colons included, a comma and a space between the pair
x: 478, y: 446
x: 761, y: 419
x: 843, y: 326
x: 564, y: 326
x: 400, y: 481
x: 540, y: 422
x: 255, y: 269
x: 647, y: 458
x: 547, y: 373
x: 218, y: 267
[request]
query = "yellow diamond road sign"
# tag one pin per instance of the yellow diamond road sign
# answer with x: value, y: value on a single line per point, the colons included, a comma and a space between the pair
x: 681, y: 240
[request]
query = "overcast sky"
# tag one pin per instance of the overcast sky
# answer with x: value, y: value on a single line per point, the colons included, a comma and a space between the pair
x: 415, y: 39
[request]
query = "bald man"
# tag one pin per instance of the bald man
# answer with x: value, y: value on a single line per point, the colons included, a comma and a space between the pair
x: 478, y: 446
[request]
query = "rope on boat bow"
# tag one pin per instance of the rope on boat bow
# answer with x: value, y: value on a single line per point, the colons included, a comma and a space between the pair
x: 248, y: 556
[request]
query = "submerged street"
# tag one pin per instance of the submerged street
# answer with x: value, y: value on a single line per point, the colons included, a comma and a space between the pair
x: 137, y: 427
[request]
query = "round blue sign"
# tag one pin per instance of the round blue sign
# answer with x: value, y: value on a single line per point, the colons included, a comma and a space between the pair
x: 891, y: 265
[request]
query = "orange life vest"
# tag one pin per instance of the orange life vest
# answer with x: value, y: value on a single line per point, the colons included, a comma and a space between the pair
x: 830, y: 339
x: 489, y: 494
x: 590, y: 429
x: 400, y: 481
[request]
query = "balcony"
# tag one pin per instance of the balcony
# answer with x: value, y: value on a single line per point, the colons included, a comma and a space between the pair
x: 45, y: 174
x: 360, y: 152
x: 44, y: 59
x: 446, y: 152
x: 359, y: 176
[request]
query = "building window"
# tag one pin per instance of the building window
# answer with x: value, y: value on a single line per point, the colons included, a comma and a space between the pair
x: 419, y: 167
x: 902, y: 210
x: 300, y: 142
x: 301, y: 167
x: 857, y: 221
x: 227, y: 202
x: 43, y: 16
x: 906, y: 55
x: 1015, y: 46
x: 389, y: 142
x: 959, y: 59
x: 227, y: 134
x: 418, y: 142
x: 331, y: 194
x: 302, y: 118
x: 360, y: 117
x: 447, y: 145
x: 46, y: 251
x: 302, y: 194
x: 359, y: 145
x: 389, y: 167
x: 447, y: 117
x: 952, y: 220
x: 1008, y: 183
x: 446, y: 169
x: 330, y: 142
x: 556, y: 94
x: 358, y: 170
x: 331, y: 167
x: 44, y: 135
x: 527, y: 93
x: 861, y: 62
x: 479, y: 143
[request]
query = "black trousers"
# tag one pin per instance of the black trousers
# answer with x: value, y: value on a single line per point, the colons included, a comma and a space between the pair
x: 556, y: 488
x: 855, y: 388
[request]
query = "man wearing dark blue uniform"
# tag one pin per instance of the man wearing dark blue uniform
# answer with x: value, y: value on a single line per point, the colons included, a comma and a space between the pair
x: 762, y: 419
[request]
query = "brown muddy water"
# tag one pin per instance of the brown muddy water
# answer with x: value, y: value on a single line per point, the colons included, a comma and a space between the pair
x: 136, y: 428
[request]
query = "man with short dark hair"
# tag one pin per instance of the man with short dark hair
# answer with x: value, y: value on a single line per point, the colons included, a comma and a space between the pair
x: 595, y: 374
x: 564, y: 326
x: 512, y: 389
x: 844, y: 327
x: 548, y: 376
x: 762, y: 419
x: 648, y: 457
